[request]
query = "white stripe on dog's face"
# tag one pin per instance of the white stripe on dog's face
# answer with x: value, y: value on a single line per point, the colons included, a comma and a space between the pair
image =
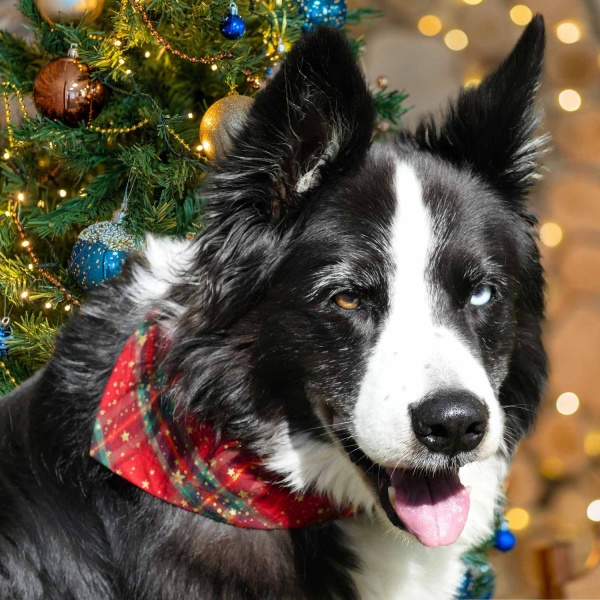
x: 415, y: 354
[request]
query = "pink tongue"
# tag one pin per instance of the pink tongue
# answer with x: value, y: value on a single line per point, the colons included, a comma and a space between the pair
x: 434, y: 508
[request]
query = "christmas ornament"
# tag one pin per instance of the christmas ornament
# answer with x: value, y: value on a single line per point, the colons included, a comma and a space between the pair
x: 67, y: 11
x: 505, y: 539
x: 221, y: 122
x: 63, y: 90
x: 100, y: 252
x: 322, y: 12
x: 5, y: 336
x: 232, y: 26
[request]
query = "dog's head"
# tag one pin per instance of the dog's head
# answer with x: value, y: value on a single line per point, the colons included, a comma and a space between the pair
x: 392, y: 293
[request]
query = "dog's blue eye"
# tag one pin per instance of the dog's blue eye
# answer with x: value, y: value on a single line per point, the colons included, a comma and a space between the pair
x: 482, y: 294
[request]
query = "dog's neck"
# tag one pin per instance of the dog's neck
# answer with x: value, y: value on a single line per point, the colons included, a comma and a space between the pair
x: 140, y: 436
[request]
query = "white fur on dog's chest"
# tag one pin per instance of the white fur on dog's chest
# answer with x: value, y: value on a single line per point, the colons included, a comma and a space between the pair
x: 394, y: 566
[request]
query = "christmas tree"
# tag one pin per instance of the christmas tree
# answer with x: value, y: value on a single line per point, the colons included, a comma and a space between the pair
x: 134, y: 100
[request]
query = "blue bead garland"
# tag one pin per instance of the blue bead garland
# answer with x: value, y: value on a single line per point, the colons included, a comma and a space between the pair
x: 232, y: 26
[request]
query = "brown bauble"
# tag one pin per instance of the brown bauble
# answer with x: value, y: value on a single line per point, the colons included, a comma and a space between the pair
x: 64, y: 90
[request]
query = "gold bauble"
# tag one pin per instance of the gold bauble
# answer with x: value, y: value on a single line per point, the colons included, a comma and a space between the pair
x: 221, y: 122
x: 66, y: 11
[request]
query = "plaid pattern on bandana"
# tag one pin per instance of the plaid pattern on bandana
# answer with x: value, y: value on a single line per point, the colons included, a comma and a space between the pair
x: 177, y: 458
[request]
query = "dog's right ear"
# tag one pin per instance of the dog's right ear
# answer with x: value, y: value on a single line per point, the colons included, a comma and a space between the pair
x: 315, y: 119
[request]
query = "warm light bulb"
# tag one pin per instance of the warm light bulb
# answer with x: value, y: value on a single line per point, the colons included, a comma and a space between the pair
x: 567, y: 403
x: 62, y: 193
x: 30, y: 267
x: 472, y: 81
x: 48, y: 305
x: 568, y: 32
x: 521, y: 14
x: 24, y: 294
x: 429, y: 25
x: 199, y: 147
x: 518, y: 518
x: 20, y: 196
x: 456, y: 40
x: 473, y: 2
x: 6, y: 155
x: 569, y: 100
x: 128, y: 72
x: 214, y: 67
x: 551, y: 234
x: 121, y: 61
x: 591, y: 443
x: 7, y: 213
x: 593, y: 511
x: 147, y: 54
x: 118, y: 43
x: 67, y: 307
x: 190, y: 115
x: 25, y: 243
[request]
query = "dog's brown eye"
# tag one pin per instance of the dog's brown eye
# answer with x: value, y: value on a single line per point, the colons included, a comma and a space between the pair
x: 347, y: 300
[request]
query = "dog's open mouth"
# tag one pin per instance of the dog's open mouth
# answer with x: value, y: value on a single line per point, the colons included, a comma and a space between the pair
x: 433, y: 507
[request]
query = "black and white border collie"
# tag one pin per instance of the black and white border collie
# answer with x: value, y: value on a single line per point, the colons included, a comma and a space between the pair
x: 364, y: 317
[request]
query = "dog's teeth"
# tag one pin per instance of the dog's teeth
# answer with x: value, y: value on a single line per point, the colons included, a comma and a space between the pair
x: 392, y: 495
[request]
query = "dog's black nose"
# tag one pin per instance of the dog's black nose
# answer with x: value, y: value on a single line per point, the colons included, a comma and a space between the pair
x: 450, y: 422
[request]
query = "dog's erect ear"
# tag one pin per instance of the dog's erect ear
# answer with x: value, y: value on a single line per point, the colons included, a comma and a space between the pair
x: 489, y: 128
x: 314, y: 119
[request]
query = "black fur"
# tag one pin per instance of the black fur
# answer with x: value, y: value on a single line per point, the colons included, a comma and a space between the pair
x: 257, y: 340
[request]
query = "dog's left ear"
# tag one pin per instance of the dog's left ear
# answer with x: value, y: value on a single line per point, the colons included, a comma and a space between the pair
x: 489, y: 128
x: 315, y: 119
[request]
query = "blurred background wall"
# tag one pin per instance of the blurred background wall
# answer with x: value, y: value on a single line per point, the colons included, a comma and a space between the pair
x: 430, y: 48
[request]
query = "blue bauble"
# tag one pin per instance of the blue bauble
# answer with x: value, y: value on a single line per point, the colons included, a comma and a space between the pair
x: 233, y: 26
x: 505, y: 540
x: 322, y: 12
x: 100, y: 252
x: 5, y: 336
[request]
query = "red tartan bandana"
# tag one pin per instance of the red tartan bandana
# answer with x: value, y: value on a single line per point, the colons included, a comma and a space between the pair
x: 178, y: 458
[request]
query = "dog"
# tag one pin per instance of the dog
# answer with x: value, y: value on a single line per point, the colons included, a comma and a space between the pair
x: 350, y: 352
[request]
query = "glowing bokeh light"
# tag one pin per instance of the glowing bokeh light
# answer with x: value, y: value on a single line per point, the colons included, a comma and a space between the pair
x: 568, y: 32
x: 518, y: 518
x: 456, y: 40
x: 429, y: 25
x: 521, y: 14
x: 569, y: 100
x: 551, y: 234
x: 593, y: 511
x: 567, y: 403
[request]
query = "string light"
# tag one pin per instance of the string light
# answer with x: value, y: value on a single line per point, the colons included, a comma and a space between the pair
x: 213, y: 67
x: 473, y: 2
x: 147, y: 54
x: 567, y: 403
x: 190, y: 115
x: 62, y: 193
x: 591, y: 443
x: 569, y: 100
x: 118, y: 43
x: 518, y: 518
x: 30, y: 266
x: 6, y: 155
x: 20, y: 196
x: 593, y: 511
x: 24, y: 294
x: 48, y: 305
x: 551, y: 234
x: 429, y: 25
x: 67, y: 307
x: 568, y: 32
x: 456, y: 40
x: 25, y: 243
x: 521, y: 14
x: 199, y: 148
x: 128, y: 72
x: 137, y: 6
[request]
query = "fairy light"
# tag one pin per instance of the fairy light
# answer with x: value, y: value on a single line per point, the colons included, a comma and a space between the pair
x: 472, y: 2
x: 568, y: 32
x: 569, y: 100
x: 20, y: 196
x: 24, y: 294
x: 118, y: 43
x: 121, y: 61
x: 147, y: 54
x: 213, y: 67
x: 456, y: 40
x: 190, y: 115
x: 593, y: 511
x: 567, y: 403
x: 518, y: 518
x: 520, y: 14
x: 472, y: 81
x: 591, y: 443
x: 48, y: 305
x: 551, y: 234
x: 429, y: 25
x: 6, y: 155
x: 62, y: 193
x: 67, y: 307
x: 30, y: 266
x: 199, y: 148
x: 7, y: 213
x: 128, y: 72
x: 25, y: 243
